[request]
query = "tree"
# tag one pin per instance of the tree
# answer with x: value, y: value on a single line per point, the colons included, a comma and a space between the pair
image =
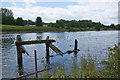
x: 9, y: 20
x: 30, y: 22
x: 118, y: 27
x: 19, y: 21
x: 112, y: 26
x: 6, y: 12
x: 7, y: 16
x: 38, y: 21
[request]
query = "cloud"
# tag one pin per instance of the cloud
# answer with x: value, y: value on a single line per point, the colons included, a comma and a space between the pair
x: 28, y: 2
x: 13, y: 3
x: 96, y: 11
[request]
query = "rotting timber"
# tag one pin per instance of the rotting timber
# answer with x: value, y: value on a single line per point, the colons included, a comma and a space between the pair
x: 48, y: 42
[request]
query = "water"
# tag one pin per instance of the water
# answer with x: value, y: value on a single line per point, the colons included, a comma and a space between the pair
x: 95, y: 43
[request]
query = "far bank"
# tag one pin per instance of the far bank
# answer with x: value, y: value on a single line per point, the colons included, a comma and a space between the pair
x: 40, y: 29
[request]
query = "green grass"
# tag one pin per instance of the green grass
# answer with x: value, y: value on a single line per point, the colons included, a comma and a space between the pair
x: 30, y: 28
x: 14, y: 28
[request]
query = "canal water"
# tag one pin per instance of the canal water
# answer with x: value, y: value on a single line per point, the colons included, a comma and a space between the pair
x: 93, y: 43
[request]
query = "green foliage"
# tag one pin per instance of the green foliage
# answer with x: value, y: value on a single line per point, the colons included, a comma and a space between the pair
x: 7, y: 16
x: 47, y: 75
x: 118, y: 27
x: 42, y: 61
x: 8, y: 20
x: 76, y: 72
x: 19, y: 21
x: 6, y: 12
x: 112, y: 26
x: 28, y: 22
x: 14, y: 28
x: 88, y: 69
x: 38, y: 21
x: 111, y: 67
x: 97, y: 28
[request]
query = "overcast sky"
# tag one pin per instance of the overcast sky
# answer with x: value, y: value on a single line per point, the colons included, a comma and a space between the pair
x: 105, y: 11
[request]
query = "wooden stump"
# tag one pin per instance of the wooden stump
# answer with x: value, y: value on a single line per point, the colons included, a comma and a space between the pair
x: 75, y: 48
x: 19, y: 52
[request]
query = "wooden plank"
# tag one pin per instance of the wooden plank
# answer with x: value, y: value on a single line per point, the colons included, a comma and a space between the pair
x: 67, y: 52
x: 24, y: 50
x: 33, y: 42
x: 56, y: 49
x: 31, y: 73
x: 53, y: 48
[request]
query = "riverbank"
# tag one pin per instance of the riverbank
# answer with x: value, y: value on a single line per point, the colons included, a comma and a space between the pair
x: 39, y: 29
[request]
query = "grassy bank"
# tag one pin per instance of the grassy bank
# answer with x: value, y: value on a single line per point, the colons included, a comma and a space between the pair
x: 9, y: 28
x: 14, y: 28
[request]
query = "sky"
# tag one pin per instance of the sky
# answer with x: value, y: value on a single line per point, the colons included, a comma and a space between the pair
x: 104, y: 11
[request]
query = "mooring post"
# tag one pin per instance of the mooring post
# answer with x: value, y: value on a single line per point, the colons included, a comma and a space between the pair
x: 36, y: 62
x: 19, y: 51
x: 47, y: 50
x: 75, y: 44
x: 75, y: 48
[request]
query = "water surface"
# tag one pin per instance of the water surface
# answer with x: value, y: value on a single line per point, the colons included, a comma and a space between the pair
x: 95, y: 43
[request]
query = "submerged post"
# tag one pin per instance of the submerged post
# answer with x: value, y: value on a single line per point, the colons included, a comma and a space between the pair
x: 75, y: 48
x: 36, y: 63
x: 47, y: 50
x: 19, y: 51
x: 75, y: 44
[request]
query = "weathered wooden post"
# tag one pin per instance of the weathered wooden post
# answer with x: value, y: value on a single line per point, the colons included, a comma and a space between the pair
x: 19, y: 51
x: 75, y: 48
x: 36, y: 63
x: 47, y: 49
x: 75, y: 44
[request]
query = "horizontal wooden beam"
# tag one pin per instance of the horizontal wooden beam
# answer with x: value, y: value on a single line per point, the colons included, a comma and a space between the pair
x: 33, y: 42
x: 30, y: 73
x: 67, y: 52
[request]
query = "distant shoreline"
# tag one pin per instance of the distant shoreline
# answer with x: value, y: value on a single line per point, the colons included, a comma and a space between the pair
x: 7, y: 29
x: 8, y: 32
x: 13, y: 32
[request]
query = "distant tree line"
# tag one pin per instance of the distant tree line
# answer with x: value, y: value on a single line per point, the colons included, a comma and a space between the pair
x: 8, y: 19
x: 82, y: 24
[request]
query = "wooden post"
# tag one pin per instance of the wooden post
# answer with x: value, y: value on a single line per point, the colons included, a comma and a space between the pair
x: 47, y: 52
x: 36, y: 63
x: 75, y: 48
x: 19, y: 52
x: 75, y: 45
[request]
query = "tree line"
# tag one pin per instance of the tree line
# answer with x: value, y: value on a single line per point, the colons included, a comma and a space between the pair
x: 8, y: 19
